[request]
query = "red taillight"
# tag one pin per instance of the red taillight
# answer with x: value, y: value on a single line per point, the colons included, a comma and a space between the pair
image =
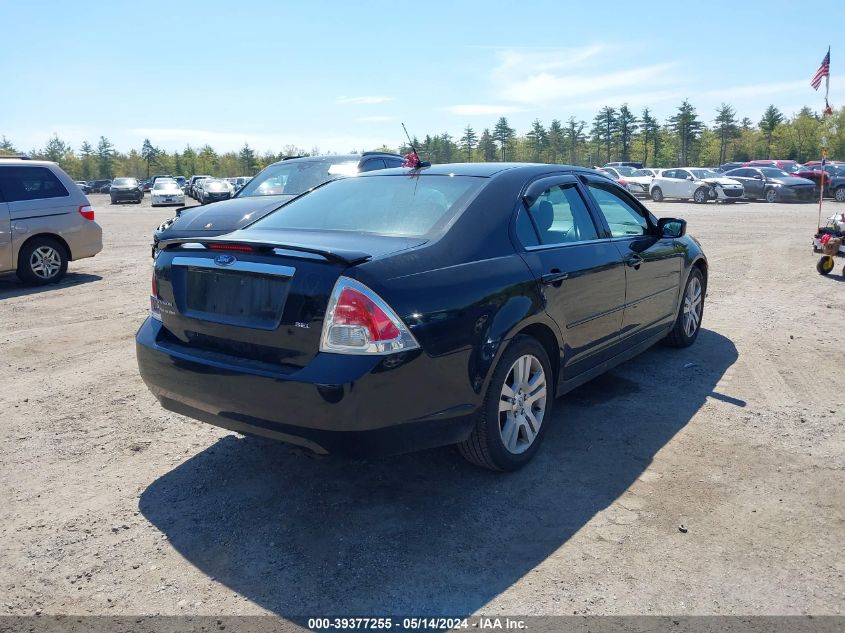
x: 358, y: 321
x: 86, y: 212
x: 356, y: 309
x: 241, y: 248
x: 155, y: 308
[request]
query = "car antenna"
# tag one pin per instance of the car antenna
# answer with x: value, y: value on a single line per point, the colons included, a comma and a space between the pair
x: 412, y: 160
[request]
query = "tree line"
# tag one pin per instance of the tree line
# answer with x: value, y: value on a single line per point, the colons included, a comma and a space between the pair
x: 615, y: 133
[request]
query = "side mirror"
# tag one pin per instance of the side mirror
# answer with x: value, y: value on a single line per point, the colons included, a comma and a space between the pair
x: 671, y: 227
x: 689, y: 177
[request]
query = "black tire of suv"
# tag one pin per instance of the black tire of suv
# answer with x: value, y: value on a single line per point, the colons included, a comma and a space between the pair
x: 484, y: 446
x: 25, y: 272
x: 677, y: 337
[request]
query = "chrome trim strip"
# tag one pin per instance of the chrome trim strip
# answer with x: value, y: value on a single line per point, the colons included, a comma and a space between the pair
x: 241, y: 266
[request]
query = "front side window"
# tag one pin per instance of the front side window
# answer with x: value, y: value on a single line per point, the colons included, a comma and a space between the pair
x: 623, y: 218
x: 30, y: 183
x: 561, y: 216
x: 373, y: 164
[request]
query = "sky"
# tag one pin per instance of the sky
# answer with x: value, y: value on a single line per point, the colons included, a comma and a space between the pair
x: 340, y: 76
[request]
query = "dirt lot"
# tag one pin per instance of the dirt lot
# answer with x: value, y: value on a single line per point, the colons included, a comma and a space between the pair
x: 113, y: 506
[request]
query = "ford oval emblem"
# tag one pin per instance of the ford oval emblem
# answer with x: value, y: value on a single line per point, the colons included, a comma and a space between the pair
x: 225, y: 260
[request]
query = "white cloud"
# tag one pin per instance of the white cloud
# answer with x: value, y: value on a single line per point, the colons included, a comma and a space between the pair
x: 366, y: 100
x: 548, y: 88
x: 481, y: 109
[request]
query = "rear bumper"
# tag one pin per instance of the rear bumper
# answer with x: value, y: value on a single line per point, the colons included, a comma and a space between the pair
x: 126, y: 195
x: 349, y: 405
x: 86, y: 242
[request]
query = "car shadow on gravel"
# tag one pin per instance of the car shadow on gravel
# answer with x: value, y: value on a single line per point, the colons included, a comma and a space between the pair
x: 11, y: 286
x: 424, y: 533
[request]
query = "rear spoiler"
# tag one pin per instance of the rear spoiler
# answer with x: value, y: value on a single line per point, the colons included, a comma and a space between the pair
x: 343, y: 256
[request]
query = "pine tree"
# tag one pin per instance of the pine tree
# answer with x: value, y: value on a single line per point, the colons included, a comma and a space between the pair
x: 447, y: 148
x: 6, y: 146
x: 685, y: 124
x: 605, y: 130
x: 149, y: 154
x: 56, y: 149
x: 772, y: 118
x: 105, y: 158
x: 247, y: 161
x: 537, y: 139
x: 627, y: 123
x: 574, y: 134
x: 555, y: 140
x: 503, y: 135
x: 726, y: 128
x: 468, y: 142
x: 86, y: 155
x: 651, y: 133
x: 486, y: 146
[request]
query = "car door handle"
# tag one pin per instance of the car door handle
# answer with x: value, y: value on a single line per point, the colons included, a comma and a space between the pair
x: 553, y: 278
x: 634, y: 261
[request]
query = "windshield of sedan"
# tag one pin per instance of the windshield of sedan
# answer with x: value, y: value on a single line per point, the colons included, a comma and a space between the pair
x: 704, y: 173
x: 625, y: 170
x: 296, y: 177
x: 641, y: 172
x: 771, y: 172
x: 791, y: 168
x: 400, y: 206
x: 161, y: 185
x: 125, y: 182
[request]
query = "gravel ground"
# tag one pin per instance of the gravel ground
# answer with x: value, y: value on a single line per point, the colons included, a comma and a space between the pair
x: 112, y: 505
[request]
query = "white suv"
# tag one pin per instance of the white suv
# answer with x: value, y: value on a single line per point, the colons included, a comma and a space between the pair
x: 695, y: 183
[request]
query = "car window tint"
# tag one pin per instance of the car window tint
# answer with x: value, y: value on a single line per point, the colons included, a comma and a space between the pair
x: 669, y: 173
x: 561, y: 216
x: 394, y: 162
x: 373, y: 164
x: 525, y: 230
x: 622, y: 217
x: 30, y: 183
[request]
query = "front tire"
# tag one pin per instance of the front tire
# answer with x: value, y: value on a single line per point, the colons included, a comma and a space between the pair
x: 771, y: 196
x: 657, y: 194
x: 700, y: 195
x: 688, y: 323
x: 516, y: 410
x: 42, y: 261
x: 825, y: 265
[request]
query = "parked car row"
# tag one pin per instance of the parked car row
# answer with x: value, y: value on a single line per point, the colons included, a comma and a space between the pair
x: 772, y: 181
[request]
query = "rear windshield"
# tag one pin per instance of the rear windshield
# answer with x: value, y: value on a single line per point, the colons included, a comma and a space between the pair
x: 296, y: 177
x: 125, y: 182
x: 404, y: 206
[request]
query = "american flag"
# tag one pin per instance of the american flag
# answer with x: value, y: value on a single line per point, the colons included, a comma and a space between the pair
x: 822, y: 72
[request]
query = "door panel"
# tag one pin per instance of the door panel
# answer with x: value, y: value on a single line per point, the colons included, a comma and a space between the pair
x: 6, y: 251
x: 579, y: 268
x: 652, y: 265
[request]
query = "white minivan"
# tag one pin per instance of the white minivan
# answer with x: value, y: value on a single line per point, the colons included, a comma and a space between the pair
x: 45, y: 221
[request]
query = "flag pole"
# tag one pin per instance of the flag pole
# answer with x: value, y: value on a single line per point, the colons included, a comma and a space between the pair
x: 824, y: 148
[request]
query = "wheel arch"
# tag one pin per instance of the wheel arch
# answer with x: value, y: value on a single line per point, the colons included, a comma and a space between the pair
x: 53, y: 236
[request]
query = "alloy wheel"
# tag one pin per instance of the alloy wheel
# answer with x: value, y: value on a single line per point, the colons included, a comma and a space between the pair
x: 522, y: 404
x: 692, y: 307
x: 45, y: 262
x: 771, y: 195
x: 700, y: 196
x: 839, y: 194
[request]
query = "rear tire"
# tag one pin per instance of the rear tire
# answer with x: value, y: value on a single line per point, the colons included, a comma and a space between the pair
x: 690, y: 312
x: 42, y: 261
x: 517, y: 406
x: 657, y: 194
x: 839, y: 194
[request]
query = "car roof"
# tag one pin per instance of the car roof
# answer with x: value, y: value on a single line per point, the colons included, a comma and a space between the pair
x: 484, y: 170
x: 14, y: 160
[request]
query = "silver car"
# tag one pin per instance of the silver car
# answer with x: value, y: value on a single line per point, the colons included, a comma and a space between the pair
x: 45, y: 221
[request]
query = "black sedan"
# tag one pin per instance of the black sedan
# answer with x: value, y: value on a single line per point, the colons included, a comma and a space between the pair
x: 405, y: 309
x: 126, y: 190
x: 772, y: 185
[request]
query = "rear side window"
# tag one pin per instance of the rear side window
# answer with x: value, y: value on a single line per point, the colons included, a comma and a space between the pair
x: 406, y: 206
x: 30, y: 183
x: 561, y: 216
